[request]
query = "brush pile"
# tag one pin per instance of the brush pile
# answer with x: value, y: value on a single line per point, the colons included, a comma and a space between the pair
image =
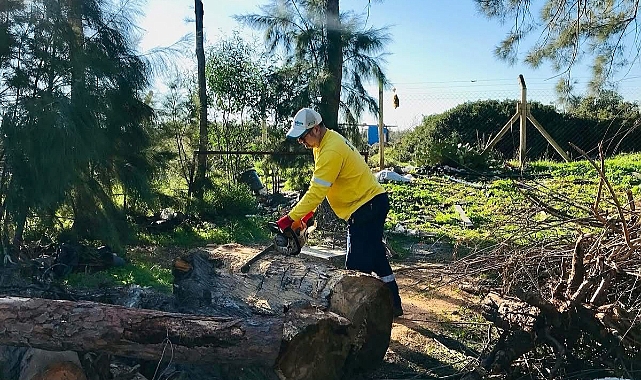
x: 565, y: 289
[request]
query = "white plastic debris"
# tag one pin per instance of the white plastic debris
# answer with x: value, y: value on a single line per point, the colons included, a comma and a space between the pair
x: 388, y: 175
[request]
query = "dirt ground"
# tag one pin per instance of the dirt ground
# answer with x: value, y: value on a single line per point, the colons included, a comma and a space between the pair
x: 441, y: 332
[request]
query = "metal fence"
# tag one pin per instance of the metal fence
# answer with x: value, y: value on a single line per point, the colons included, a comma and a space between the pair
x: 417, y: 100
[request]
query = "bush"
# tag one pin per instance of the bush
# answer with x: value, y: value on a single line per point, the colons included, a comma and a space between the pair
x: 454, y: 152
x: 473, y: 124
x: 297, y: 179
x: 225, y: 201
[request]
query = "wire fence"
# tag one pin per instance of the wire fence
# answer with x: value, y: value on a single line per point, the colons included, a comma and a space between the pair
x: 418, y: 100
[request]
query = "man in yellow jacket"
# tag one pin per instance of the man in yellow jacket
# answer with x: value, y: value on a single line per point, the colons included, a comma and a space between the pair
x: 342, y: 176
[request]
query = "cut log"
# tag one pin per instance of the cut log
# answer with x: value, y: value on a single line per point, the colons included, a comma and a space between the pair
x: 278, y: 284
x: 48, y: 365
x: 315, y: 345
x: 366, y: 305
x: 89, y: 326
x: 21, y: 363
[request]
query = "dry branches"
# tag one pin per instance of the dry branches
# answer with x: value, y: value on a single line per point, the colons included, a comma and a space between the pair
x: 573, y: 300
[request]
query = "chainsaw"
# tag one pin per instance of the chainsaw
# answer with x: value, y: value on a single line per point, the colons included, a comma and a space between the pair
x: 288, y: 242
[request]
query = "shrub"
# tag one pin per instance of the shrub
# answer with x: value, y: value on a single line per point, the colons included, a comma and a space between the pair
x: 475, y: 123
x: 297, y: 178
x: 225, y: 201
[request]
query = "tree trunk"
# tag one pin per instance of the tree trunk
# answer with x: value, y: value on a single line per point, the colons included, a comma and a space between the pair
x: 321, y: 348
x: 331, y: 95
x: 202, y: 97
x: 56, y: 325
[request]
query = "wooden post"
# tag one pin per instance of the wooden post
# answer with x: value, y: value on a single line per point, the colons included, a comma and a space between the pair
x: 522, y: 108
x: 523, y: 114
x: 381, y: 139
x: 502, y: 132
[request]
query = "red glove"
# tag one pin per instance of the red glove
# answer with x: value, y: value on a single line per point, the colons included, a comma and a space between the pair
x: 284, y: 222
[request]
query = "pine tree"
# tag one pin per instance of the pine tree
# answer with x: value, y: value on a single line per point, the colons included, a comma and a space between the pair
x: 74, y: 127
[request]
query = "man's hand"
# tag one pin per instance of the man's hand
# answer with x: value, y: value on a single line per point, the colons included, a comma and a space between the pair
x: 284, y: 222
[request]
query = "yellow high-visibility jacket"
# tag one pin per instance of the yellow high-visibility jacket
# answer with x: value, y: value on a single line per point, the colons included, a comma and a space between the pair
x: 340, y: 174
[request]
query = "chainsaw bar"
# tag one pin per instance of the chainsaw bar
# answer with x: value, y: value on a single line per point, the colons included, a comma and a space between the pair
x: 253, y: 259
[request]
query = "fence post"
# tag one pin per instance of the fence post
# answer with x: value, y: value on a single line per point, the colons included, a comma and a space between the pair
x: 523, y: 122
x: 381, y: 144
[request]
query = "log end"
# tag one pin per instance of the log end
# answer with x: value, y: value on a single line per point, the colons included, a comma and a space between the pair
x: 61, y: 371
x: 315, y: 346
x: 366, y: 302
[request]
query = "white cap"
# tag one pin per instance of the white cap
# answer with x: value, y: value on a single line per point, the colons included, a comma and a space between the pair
x: 305, y: 119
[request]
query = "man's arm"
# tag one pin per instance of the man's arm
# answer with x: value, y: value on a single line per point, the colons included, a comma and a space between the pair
x: 328, y: 165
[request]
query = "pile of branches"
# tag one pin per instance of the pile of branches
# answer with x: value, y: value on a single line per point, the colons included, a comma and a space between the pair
x: 568, y: 304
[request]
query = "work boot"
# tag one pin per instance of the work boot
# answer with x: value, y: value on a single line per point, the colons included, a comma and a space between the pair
x: 397, y: 309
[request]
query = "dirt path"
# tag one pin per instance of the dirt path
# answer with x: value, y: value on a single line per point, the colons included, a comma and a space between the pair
x: 440, y: 333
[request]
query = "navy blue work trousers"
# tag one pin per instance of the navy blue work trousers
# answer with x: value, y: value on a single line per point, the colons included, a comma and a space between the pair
x: 365, y: 248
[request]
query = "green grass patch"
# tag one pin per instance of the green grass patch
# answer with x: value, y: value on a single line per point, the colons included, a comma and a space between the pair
x: 136, y: 272
x: 239, y: 230
x: 498, y: 208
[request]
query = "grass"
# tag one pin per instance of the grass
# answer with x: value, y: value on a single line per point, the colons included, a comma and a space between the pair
x: 240, y: 230
x: 152, y: 267
x: 497, y: 207
x: 136, y: 272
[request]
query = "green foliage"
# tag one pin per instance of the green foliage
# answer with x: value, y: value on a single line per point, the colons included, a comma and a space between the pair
x: 241, y: 229
x: 135, y: 273
x: 297, y: 179
x: 455, y: 136
x: 236, y: 82
x: 606, y: 105
x: 454, y: 153
x: 225, y: 201
x: 75, y: 126
x: 622, y: 170
x: 498, y: 207
x: 176, y: 134
x: 298, y: 29
x: 603, y: 31
x: 235, y: 74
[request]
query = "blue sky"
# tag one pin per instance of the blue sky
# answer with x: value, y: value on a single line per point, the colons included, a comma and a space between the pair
x: 441, y: 52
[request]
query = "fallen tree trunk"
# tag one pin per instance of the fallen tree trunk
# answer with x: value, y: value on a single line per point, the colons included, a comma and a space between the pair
x: 277, y: 284
x: 56, y: 325
x: 288, y: 317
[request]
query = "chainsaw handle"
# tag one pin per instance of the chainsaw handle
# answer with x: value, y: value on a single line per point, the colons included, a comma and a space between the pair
x: 273, y: 227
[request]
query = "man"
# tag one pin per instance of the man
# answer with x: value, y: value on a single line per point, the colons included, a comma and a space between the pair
x: 342, y: 175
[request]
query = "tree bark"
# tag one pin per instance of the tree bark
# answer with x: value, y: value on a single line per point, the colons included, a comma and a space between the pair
x: 331, y: 96
x: 292, y: 285
x: 88, y: 326
x: 202, y: 97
